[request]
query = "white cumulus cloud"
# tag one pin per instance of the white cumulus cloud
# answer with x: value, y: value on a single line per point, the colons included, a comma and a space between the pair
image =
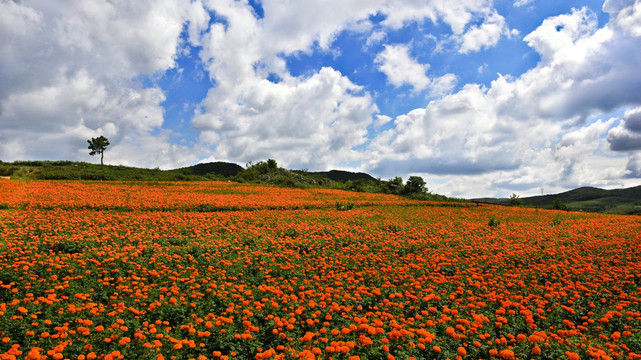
x: 401, y: 69
x: 484, y: 35
x: 67, y: 74
x: 530, y: 132
x: 305, y: 122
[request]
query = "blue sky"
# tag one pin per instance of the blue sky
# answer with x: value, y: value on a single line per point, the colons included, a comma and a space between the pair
x: 479, y: 97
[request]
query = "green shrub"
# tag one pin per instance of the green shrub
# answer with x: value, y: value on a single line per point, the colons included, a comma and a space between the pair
x: 7, y: 170
x: 515, y: 200
x: 344, y: 206
x: 287, y: 182
x: 28, y: 163
x: 394, y: 186
x: 559, y: 205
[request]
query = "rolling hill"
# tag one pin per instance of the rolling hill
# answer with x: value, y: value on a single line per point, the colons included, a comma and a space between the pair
x: 591, y: 199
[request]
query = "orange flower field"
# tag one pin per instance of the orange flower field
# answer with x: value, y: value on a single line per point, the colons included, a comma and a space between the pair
x: 217, y: 270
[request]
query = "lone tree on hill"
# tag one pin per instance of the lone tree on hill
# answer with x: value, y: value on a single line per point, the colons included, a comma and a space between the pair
x: 98, y: 146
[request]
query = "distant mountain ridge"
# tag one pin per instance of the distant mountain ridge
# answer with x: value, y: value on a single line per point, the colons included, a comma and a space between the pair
x: 591, y: 199
x: 342, y: 175
x: 225, y: 169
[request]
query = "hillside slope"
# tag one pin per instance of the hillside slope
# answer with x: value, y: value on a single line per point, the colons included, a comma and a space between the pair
x: 591, y: 199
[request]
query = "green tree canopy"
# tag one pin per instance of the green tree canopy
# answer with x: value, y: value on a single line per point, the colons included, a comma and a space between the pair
x: 415, y: 185
x: 98, y: 146
x: 515, y: 200
x: 559, y: 205
x: 394, y: 186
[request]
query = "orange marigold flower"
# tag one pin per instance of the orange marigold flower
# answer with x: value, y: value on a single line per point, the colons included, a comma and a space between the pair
x: 572, y: 355
x: 507, y: 354
x: 461, y: 351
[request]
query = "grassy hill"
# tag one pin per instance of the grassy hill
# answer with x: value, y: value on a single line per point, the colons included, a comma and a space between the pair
x: 591, y: 199
x: 70, y: 170
x: 595, y: 200
x: 261, y: 172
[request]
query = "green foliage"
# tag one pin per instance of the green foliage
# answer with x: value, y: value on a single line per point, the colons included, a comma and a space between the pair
x: 415, y: 185
x: 218, y: 168
x: 515, y: 200
x: 557, y: 220
x: 268, y: 172
x: 98, y: 146
x: 343, y: 176
x: 67, y: 248
x: 344, y: 206
x: 559, y: 205
x: 493, y: 222
x: 254, y: 170
x: 67, y: 170
x: 358, y: 185
x: 394, y: 186
x: 7, y: 170
x: 28, y: 163
x: 288, y: 182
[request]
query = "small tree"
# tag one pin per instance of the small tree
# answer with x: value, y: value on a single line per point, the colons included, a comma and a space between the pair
x: 394, y: 186
x: 559, y: 205
x: 98, y: 146
x: 415, y: 185
x: 515, y: 200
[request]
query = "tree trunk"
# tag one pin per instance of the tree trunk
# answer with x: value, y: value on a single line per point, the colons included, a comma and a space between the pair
x: 102, y: 156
